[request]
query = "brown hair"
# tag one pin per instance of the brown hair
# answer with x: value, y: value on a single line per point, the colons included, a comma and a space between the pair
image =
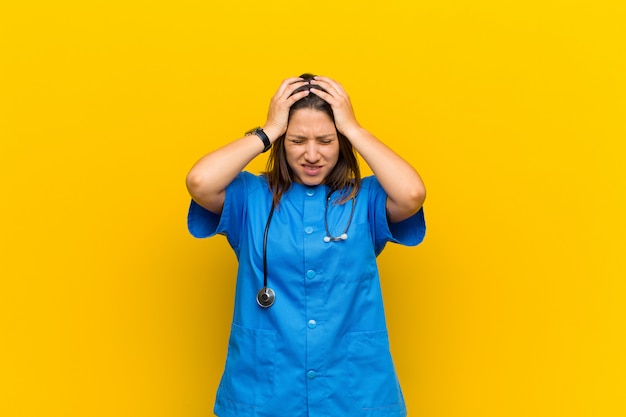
x: 345, y: 176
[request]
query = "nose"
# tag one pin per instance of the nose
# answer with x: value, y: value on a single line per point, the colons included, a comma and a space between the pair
x: 311, y: 153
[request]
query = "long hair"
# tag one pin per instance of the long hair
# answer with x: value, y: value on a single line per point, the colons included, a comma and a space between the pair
x: 345, y: 176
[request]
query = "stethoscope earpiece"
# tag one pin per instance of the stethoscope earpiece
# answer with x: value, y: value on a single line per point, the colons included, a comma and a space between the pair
x: 265, y: 297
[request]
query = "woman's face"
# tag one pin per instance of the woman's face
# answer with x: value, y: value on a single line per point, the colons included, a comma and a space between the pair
x: 311, y: 146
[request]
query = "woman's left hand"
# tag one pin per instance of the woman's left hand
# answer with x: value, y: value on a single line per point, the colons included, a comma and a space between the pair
x: 339, y: 101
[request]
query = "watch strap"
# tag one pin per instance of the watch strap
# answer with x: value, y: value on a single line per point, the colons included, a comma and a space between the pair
x: 261, y: 134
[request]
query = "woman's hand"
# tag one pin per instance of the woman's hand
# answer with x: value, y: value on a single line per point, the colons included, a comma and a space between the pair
x: 278, y: 113
x: 339, y: 101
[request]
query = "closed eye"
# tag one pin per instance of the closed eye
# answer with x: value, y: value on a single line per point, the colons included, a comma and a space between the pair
x: 324, y: 139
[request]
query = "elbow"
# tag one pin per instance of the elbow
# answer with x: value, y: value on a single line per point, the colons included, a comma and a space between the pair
x: 415, y: 198
x: 197, y: 184
x: 193, y: 182
x: 199, y: 187
x: 410, y: 203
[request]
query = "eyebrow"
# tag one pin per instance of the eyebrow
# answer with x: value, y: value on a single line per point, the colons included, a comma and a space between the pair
x: 328, y: 135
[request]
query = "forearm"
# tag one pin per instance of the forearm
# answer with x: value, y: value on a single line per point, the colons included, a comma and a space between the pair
x: 208, y: 178
x: 404, y: 187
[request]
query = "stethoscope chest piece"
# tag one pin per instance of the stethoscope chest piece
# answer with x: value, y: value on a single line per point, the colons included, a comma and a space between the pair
x: 265, y: 297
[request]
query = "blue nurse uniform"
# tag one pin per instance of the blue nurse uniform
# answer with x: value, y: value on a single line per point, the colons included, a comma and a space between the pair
x: 322, y: 349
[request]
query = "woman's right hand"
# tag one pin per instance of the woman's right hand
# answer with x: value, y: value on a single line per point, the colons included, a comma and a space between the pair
x: 278, y: 113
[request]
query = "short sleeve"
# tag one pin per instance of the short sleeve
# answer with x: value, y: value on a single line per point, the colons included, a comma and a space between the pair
x: 409, y: 232
x: 203, y: 223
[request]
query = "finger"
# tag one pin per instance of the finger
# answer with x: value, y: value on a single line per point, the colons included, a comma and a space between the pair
x: 332, y: 86
x: 326, y: 80
x: 327, y: 97
x: 328, y: 92
x: 287, y: 83
x: 289, y: 91
x: 295, y: 97
x: 294, y: 86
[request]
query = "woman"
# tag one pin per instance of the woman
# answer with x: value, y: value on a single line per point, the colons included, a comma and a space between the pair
x: 308, y: 336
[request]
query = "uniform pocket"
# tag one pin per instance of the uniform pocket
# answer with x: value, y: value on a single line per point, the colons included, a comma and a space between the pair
x: 357, y: 252
x: 372, y: 376
x: 249, y: 373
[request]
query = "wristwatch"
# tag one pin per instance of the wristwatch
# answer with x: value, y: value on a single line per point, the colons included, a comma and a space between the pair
x: 261, y: 134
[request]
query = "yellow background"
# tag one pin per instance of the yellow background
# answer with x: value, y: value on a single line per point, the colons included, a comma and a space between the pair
x: 513, y: 112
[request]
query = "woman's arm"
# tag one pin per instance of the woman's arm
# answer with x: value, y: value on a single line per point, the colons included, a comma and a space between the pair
x: 208, y: 178
x: 404, y: 187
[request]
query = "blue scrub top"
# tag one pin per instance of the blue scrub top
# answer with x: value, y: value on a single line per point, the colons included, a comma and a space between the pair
x: 322, y: 349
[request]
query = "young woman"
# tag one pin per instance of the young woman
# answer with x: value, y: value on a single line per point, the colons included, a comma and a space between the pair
x: 308, y: 336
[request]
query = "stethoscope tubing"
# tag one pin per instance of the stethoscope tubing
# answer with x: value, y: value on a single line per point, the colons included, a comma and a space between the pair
x: 266, y: 296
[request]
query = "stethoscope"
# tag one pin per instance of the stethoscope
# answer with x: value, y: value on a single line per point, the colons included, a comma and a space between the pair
x: 266, y: 296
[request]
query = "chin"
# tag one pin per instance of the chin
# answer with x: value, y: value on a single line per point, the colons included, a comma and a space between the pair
x: 310, y: 181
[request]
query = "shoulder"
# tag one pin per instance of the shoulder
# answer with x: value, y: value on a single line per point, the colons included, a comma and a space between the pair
x: 245, y: 187
x: 249, y: 182
x: 250, y: 178
x: 370, y: 184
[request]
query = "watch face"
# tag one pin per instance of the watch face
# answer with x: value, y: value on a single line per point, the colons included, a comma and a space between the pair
x: 252, y: 131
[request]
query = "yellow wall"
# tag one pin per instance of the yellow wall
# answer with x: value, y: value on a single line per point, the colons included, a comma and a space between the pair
x: 513, y: 112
